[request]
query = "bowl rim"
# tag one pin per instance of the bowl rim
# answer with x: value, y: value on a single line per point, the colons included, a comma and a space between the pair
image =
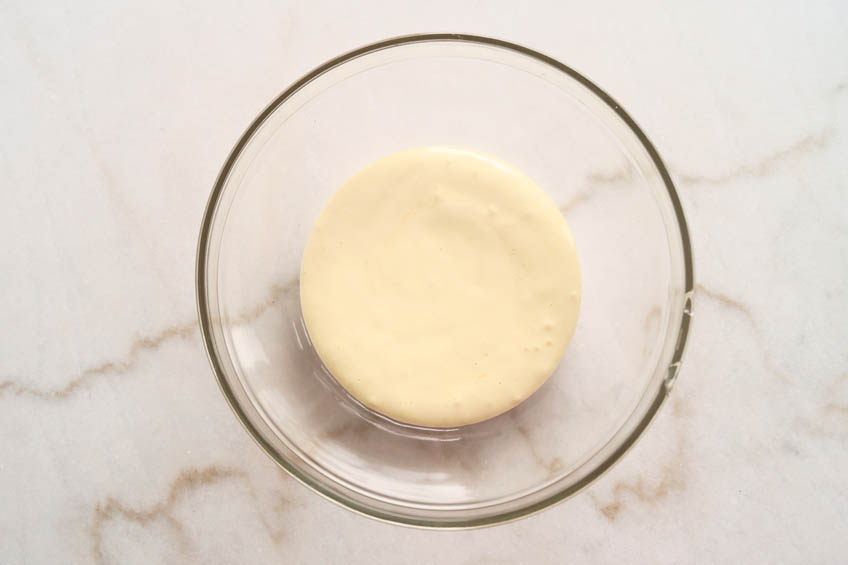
x: 430, y: 523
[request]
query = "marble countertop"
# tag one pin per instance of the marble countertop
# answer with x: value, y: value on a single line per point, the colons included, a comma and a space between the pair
x: 116, y: 445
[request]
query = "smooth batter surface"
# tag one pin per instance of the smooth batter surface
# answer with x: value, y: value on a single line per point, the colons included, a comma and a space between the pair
x: 440, y: 286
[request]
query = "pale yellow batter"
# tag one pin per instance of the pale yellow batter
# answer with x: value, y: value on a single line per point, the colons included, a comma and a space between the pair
x: 440, y: 286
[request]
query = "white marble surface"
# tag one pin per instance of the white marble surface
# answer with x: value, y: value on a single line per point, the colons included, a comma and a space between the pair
x: 116, y: 445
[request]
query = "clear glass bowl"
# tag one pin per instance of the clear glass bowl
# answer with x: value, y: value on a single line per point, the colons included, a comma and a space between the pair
x: 530, y: 111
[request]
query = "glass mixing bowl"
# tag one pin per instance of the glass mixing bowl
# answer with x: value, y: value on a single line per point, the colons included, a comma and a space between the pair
x: 551, y: 123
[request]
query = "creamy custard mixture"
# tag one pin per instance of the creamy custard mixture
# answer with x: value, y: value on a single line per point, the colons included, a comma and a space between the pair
x: 440, y: 286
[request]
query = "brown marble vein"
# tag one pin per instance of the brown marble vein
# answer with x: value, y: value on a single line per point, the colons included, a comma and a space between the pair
x: 276, y: 292
x: 280, y: 506
x: 743, y: 309
x: 139, y: 347
x: 185, y: 483
x: 672, y: 477
x: 643, y: 491
x: 727, y: 301
x: 593, y: 182
x: 831, y: 414
x: 354, y: 428
x: 119, y: 366
x: 624, y: 174
x: 826, y: 407
x: 837, y: 408
x: 552, y: 465
x: 766, y: 165
x: 760, y: 168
